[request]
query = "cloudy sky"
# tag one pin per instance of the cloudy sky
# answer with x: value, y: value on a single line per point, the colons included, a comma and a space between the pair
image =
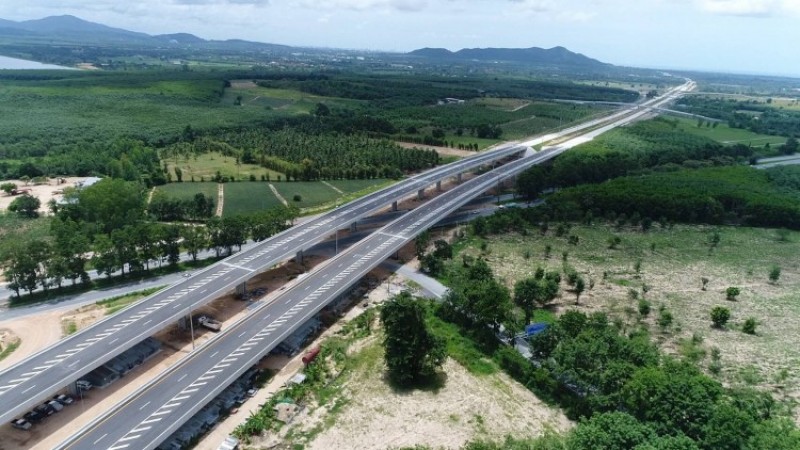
x: 747, y: 36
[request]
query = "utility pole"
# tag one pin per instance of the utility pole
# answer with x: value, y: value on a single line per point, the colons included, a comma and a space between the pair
x: 191, y: 327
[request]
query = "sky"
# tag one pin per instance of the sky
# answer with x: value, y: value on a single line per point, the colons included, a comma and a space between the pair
x: 742, y: 36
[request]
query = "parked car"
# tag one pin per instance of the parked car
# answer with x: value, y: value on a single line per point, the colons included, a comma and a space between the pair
x: 33, y: 416
x: 64, y: 399
x: 45, y: 410
x: 83, y: 385
x: 55, y: 405
x: 21, y: 424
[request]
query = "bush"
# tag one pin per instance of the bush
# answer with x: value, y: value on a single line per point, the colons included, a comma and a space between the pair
x: 720, y: 316
x: 297, y: 198
x: 774, y: 274
x: 749, y: 326
x: 732, y: 292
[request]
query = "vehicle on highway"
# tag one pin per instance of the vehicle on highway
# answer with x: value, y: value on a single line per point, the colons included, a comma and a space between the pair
x: 64, y: 399
x: 21, y: 424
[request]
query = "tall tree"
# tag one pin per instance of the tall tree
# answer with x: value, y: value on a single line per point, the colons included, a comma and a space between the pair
x: 26, y: 206
x: 412, y: 351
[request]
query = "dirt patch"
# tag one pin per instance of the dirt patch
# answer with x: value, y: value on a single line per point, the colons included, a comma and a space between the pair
x: 243, y: 84
x: 49, y: 190
x: 444, y: 151
x: 467, y: 407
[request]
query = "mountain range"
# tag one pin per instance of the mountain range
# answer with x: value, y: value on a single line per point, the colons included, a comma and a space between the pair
x: 557, y: 56
x: 71, y: 30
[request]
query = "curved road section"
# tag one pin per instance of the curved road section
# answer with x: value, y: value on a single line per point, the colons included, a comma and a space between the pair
x: 39, y: 376
x: 149, y: 416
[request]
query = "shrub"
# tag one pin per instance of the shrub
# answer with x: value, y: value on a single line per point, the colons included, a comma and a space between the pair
x: 749, y: 326
x: 720, y: 316
x: 732, y: 292
x: 774, y: 274
x: 297, y: 198
x: 644, y: 307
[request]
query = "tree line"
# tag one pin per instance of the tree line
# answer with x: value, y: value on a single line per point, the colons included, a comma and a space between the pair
x: 105, y: 226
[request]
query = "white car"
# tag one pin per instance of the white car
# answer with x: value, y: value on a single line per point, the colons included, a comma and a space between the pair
x: 21, y: 424
x: 230, y: 443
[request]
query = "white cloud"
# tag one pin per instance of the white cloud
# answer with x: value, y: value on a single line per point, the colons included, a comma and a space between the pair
x: 364, y: 5
x: 753, y: 8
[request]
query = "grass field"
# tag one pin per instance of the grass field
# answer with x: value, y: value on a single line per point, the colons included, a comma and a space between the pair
x: 313, y: 193
x: 673, y: 263
x: 206, y: 165
x: 727, y: 135
x: 14, y: 229
x: 350, y: 186
x: 254, y: 97
x: 97, y: 104
x: 185, y: 191
x: 246, y: 197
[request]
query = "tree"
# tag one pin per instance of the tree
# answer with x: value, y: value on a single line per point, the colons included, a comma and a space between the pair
x: 673, y: 397
x: 8, y: 187
x: 749, y: 326
x: 732, y: 292
x: 774, y: 274
x: 421, y: 243
x: 580, y: 286
x: 413, y: 353
x: 111, y: 204
x: 194, y: 239
x: 720, y: 316
x: 610, y: 431
x: 26, y: 206
x: 790, y: 146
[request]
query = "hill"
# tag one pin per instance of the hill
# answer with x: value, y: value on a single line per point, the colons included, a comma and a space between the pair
x: 556, y: 56
x: 74, y: 30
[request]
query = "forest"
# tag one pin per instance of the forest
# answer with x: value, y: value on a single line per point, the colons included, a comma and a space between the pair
x: 120, y: 123
x: 737, y: 195
x: 758, y: 116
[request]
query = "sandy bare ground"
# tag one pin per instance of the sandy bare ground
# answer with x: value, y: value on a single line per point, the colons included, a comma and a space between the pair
x: 243, y: 84
x: 447, y: 151
x: 467, y: 407
x: 220, y: 199
x: 44, y: 192
x: 35, y: 333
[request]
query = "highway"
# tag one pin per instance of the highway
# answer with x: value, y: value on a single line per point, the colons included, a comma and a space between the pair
x: 39, y: 376
x: 153, y: 413
x: 150, y: 415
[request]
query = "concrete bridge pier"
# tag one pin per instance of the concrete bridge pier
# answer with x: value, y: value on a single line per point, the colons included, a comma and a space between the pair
x: 439, y: 186
x: 421, y: 194
x: 299, y: 257
x: 394, y: 205
x: 458, y: 177
x: 354, y: 227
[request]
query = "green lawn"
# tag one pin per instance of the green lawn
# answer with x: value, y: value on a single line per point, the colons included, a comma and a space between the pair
x: 205, y: 166
x: 14, y: 230
x: 246, y: 197
x: 727, y: 135
x: 313, y: 193
x: 350, y: 186
x: 185, y: 191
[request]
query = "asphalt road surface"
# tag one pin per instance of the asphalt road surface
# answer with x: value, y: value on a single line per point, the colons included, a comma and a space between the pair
x: 41, y: 375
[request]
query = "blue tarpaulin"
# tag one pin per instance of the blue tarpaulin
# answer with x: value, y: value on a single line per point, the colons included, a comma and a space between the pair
x: 534, y: 328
